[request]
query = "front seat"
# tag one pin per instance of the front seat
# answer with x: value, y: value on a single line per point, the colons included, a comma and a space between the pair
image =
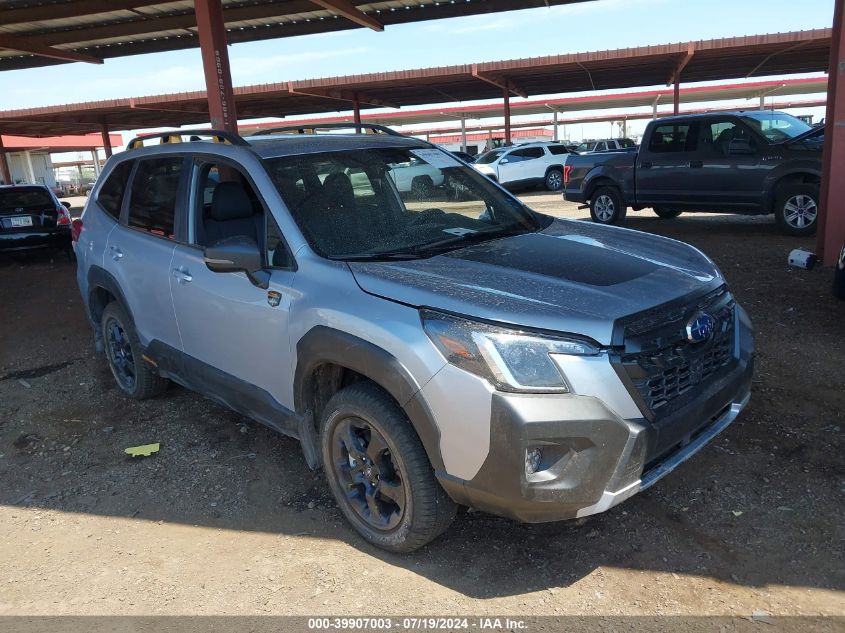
x: 231, y: 214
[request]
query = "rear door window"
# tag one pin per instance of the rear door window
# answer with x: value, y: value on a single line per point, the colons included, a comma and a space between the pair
x: 155, y: 188
x: 557, y: 150
x: 672, y: 137
x: 111, y: 193
x: 528, y: 153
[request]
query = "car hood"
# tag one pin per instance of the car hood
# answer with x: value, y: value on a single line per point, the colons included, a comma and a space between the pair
x: 575, y: 277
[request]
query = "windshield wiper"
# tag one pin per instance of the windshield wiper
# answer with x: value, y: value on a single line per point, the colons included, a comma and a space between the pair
x: 374, y: 257
x: 462, y: 241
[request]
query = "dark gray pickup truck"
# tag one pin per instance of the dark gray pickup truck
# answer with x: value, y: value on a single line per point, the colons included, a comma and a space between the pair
x: 752, y: 162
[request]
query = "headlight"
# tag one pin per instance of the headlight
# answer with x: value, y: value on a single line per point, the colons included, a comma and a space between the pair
x: 511, y: 360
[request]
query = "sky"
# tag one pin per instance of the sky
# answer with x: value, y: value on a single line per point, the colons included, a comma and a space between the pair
x: 533, y: 32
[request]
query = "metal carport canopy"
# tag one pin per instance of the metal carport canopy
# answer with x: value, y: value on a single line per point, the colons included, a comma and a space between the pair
x: 728, y: 58
x: 42, y: 32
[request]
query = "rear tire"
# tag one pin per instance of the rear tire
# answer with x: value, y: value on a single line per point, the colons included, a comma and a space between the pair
x: 422, y: 187
x: 554, y: 180
x: 606, y: 206
x: 666, y: 214
x: 378, y: 471
x: 124, y: 354
x: 797, y: 209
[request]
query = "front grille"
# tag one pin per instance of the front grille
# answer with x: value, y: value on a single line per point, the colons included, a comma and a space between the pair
x: 662, y: 365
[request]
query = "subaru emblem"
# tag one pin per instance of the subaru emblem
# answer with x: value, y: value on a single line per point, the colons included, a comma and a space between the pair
x: 700, y: 327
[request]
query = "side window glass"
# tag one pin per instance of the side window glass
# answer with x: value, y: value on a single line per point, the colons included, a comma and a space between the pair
x: 152, y: 205
x: 721, y: 134
x: 674, y: 137
x: 111, y: 193
x: 225, y: 204
x: 557, y: 150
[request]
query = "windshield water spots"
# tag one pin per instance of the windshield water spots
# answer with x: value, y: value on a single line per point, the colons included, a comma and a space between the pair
x: 393, y: 203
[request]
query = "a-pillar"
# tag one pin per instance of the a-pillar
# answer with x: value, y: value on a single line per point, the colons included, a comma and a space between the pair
x: 507, y: 105
x: 104, y: 131
x: 831, y: 230
x: 5, y: 172
x: 215, y: 62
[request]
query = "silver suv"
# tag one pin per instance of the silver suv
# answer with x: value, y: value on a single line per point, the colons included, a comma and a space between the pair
x: 428, y: 352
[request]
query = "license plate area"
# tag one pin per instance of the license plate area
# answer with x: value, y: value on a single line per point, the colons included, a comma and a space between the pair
x: 22, y: 220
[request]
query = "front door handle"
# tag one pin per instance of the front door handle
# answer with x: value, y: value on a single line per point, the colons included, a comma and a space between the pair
x: 182, y: 275
x: 116, y: 253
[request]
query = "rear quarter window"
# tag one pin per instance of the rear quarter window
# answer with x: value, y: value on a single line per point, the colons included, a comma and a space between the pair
x: 111, y: 193
x: 557, y: 150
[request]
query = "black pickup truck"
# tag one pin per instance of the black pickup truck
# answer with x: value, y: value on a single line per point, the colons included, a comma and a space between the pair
x: 751, y: 162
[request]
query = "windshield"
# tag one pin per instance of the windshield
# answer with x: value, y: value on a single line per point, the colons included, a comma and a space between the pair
x: 776, y: 126
x: 489, y: 157
x: 394, y: 202
x: 25, y: 198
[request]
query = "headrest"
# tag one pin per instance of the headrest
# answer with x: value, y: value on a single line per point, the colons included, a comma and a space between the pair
x: 338, y: 189
x: 230, y: 202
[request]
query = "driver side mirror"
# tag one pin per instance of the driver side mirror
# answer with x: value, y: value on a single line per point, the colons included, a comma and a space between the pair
x: 504, y: 161
x: 740, y: 146
x: 238, y: 254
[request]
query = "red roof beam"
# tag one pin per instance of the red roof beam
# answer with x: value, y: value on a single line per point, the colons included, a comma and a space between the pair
x: 34, y: 47
x: 503, y: 83
x: 350, y: 12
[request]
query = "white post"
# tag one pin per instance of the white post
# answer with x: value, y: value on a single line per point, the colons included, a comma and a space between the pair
x: 96, y: 160
x: 463, y: 133
x: 554, y: 118
x: 762, y: 102
x: 29, y: 170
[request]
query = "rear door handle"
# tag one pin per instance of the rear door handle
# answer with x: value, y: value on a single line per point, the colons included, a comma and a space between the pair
x: 116, y: 253
x: 645, y: 165
x: 182, y: 275
x: 696, y: 164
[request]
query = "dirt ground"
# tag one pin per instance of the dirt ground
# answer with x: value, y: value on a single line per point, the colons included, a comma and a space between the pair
x: 227, y: 519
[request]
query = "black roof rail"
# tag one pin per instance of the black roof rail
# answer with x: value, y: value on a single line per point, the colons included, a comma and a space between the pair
x: 175, y: 136
x: 313, y: 127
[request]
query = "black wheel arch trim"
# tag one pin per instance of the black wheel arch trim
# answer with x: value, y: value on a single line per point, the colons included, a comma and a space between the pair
x: 324, y: 345
x: 99, y: 278
x: 784, y: 179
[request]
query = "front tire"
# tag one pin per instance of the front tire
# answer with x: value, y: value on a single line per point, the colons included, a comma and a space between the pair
x: 666, y: 214
x: 378, y: 471
x: 606, y: 206
x: 554, y: 180
x: 124, y: 355
x: 797, y: 209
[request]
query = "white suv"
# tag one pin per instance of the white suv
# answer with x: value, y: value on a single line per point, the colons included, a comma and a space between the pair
x: 525, y: 165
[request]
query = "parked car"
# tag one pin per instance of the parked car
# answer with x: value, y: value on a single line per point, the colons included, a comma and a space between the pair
x: 467, y: 158
x: 31, y: 217
x: 526, y: 165
x: 753, y: 162
x: 416, y: 177
x: 606, y: 145
x: 427, y: 355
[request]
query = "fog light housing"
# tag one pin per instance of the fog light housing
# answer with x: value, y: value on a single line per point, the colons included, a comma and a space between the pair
x: 533, y: 457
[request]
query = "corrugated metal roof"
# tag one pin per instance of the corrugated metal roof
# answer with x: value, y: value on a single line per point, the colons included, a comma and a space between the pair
x: 114, y: 28
x: 730, y: 58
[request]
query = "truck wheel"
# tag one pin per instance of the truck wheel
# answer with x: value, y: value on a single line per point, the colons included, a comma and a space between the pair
x: 666, y: 214
x: 378, y: 471
x: 554, y: 180
x: 123, y: 351
x: 606, y: 206
x: 422, y: 187
x: 797, y: 209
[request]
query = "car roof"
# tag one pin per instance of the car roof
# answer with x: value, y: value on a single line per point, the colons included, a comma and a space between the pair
x: 272, y: 146
x: 24, y: 185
